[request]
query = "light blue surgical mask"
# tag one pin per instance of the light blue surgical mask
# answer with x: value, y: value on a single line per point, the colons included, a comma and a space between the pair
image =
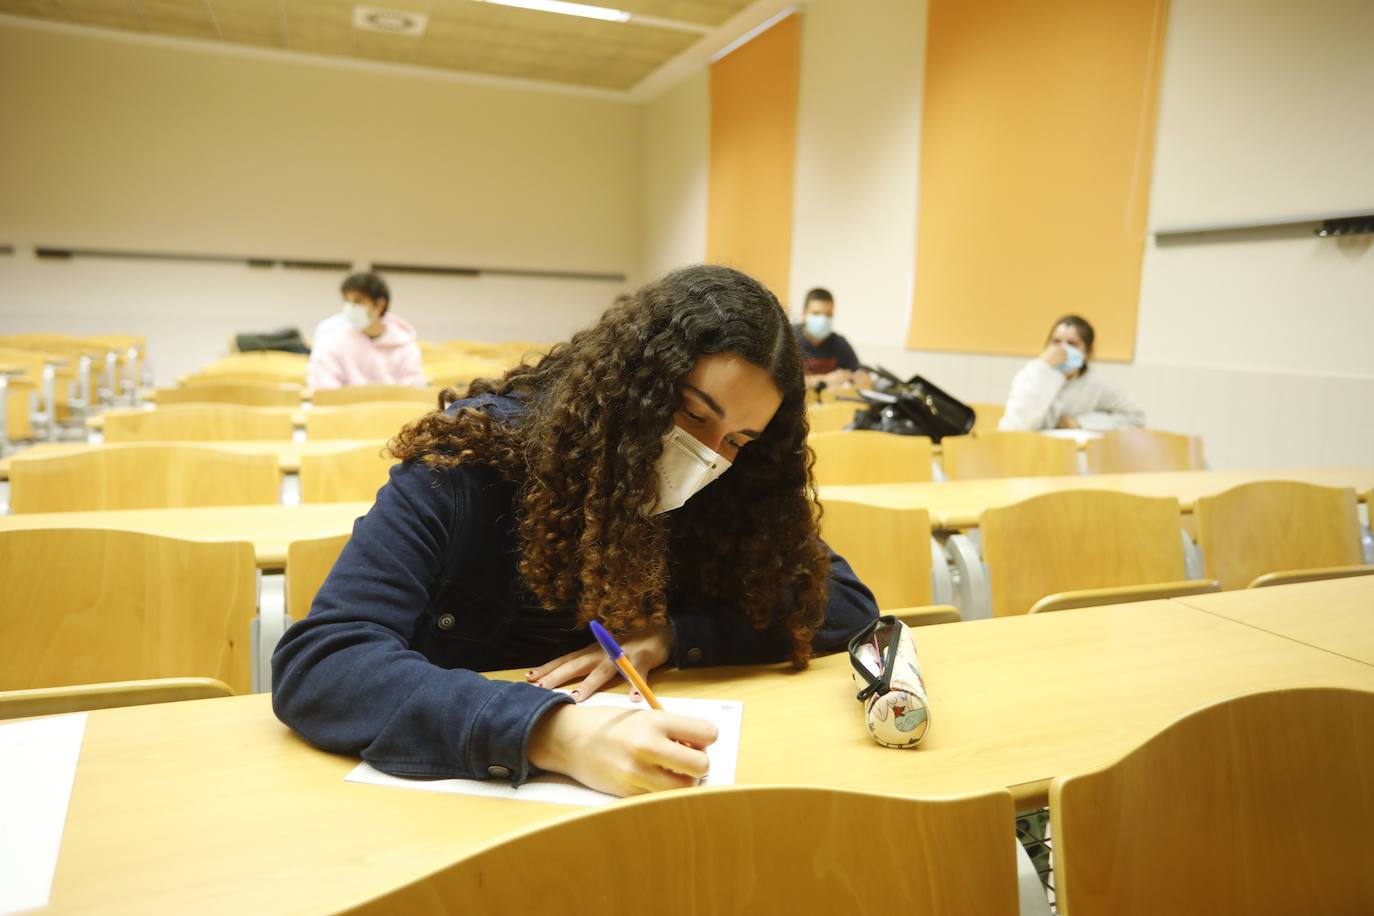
x: 818, y: 326
x: 1073, y: 359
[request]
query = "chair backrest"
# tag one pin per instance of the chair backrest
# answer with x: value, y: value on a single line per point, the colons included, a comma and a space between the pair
x: 889, y: 549
x: 1079, y: 539
x: 867, y: 456
x: 1009, y: 454
x: 19, y: 390
x: 754, y: 849
x: 50, y: 701
x: 827, y: 418
x: 986, y: 416
x: 1259, y: 804
x: 361, y: 394
x: 372, y: 420
x: 1125, y: 450
x: 85, y: 605
x: 353, y: 475
x: 1312, y: 575
x: 1267, y: 526
x: 251, y: 394
x: 142, y: 477
x: 1123, y: 594
x: 197, y: 422
x: 927, y: 616
x: 308, y: 563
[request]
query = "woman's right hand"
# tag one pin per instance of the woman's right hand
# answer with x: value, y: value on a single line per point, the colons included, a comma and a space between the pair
x: 622, y: 751
x: 1054, y: 356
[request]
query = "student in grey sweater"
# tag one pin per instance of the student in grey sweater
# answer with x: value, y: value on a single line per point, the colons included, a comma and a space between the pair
x: 1056, y: 391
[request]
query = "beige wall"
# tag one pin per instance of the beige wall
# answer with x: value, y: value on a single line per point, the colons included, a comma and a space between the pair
x: 1260, y: 343
x: 673, y: 178
x: 118, y: 144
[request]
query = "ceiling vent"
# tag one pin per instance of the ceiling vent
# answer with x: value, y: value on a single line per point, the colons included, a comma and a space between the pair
x: 392, y: 22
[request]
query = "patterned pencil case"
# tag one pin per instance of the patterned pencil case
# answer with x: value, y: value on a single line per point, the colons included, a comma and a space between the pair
x: 888, y: 675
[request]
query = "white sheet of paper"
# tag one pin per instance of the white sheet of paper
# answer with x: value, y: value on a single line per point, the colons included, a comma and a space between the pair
x: 37, y: 766
x: 728, y: 716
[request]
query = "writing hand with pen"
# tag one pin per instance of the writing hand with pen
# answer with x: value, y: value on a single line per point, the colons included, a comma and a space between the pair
x: 619, y: 751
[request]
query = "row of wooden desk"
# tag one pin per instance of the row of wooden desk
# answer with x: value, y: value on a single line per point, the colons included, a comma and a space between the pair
x: 288, y: 453
x: 214, y: 806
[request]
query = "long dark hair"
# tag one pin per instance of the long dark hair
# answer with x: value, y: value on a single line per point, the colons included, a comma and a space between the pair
x: 585, y: 458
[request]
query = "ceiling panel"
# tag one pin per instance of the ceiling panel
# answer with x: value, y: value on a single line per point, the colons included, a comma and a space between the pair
x: 462, y: 35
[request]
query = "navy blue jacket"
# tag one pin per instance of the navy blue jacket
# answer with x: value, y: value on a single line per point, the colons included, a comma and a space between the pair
x: 426, y: 594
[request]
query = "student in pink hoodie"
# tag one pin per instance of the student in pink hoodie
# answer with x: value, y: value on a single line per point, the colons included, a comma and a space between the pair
x: 364, y: 344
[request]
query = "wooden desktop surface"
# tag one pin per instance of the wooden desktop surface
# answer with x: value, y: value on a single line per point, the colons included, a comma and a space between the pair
x: 288, y: 452
x: 957, y: 504
x: 1336, y: 614
x: 269, y: 528
x: 213, y: 806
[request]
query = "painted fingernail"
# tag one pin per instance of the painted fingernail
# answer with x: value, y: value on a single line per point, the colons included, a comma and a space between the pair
x: 530, y: 673
x: 539, y: 683
x: 575, y: 693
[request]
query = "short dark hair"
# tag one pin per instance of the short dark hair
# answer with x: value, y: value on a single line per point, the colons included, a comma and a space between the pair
x: 821, y: 293
x: 370, y: 285
x: 1079, y: 324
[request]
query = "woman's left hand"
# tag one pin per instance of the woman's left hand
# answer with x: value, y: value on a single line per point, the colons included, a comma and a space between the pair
x: 647, y: 649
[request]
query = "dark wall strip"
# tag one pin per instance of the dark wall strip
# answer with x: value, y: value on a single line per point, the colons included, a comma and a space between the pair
x: 437, y: 270
x: 6, y: 249
x: 56, y: 253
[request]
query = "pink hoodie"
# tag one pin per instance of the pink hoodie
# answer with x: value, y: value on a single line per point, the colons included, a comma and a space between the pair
x: 341, y: 356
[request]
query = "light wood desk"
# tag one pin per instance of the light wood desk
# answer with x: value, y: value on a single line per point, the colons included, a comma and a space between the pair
x: 1336, y: 615
x: 269, y: 528
x: 288, y: 453
x: 96, y: 422
x: 957, y: 504
x: 213, y: 806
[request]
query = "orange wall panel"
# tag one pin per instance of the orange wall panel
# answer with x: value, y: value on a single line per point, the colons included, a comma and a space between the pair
x: 753, y: 155
x: 1037, y: 139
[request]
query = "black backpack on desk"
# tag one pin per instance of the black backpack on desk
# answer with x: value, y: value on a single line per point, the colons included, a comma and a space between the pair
x: 915, y: 407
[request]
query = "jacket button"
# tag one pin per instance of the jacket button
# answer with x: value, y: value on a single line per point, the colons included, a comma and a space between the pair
x: 694, y: 655
x: 447, y: 621
x: 498, y: 772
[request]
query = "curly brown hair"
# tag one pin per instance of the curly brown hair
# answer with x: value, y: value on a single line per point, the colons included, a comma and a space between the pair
x: 585, y: 457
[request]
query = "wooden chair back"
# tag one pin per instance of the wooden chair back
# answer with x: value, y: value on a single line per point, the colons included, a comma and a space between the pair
x: 362, y: 394
x: 19, y: 392
x: 1259, y: 804
x: 1124, y: 451
x: 286, y: 367
x: 142, y: 477
x: 1078, y: 539
x: 986, y: 416
x: 86, y: 605
x: 1124, y: 594
x: 1264, y: 527
x: 370, y: 420
x: 888, y: 548
x: 51, y: 701
x: 755, y: 849
x: 1293, y: 577
x: 353, y: 475
x: 868, y: 456
x: 827, y: 418
x: 1007, y: 454
x: 308, y: 563
x: 247, y: 393
x: 927, y: 616
x: 197, y: 423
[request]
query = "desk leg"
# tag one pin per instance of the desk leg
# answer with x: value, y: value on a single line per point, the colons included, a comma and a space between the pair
x: 267, y: 628
x: 941, y: 582
x: 975, y: 598
x: 1192, y: 557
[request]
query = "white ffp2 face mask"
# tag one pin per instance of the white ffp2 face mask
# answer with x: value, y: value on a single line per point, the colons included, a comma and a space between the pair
x: 685, y: 468
x: 357, y: 315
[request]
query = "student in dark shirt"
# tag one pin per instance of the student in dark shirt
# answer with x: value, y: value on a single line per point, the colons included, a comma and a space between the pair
x: 574, y: 490
x: 828, y: 357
